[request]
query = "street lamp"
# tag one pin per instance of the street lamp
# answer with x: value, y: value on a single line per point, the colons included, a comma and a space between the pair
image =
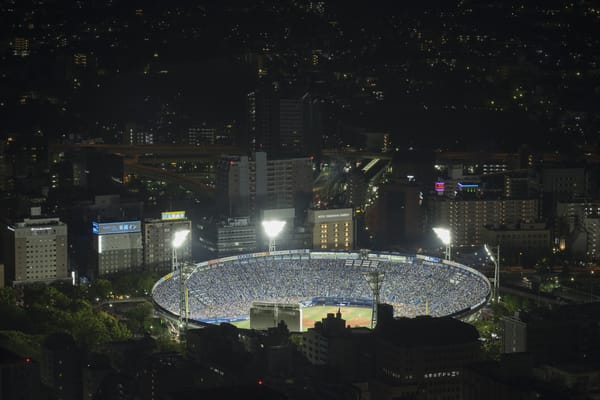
x: 272, y: 229
x: 444, y: 235
x: 496, y: 261
x: 177, y: 241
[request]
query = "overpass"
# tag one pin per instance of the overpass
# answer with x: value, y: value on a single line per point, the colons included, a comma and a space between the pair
x: 162, y: 152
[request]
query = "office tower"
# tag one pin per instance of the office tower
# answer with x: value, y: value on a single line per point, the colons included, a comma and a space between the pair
x: 158, y: 234
x: 245, y: 186
x: 283, y: 120
x: 201, y: 135
x: 37, y: 251
x: 397, y: 215
x: 117, y: 247
x: 467, y: 218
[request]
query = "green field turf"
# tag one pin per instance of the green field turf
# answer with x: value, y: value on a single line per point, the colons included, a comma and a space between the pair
x: 354, y: 316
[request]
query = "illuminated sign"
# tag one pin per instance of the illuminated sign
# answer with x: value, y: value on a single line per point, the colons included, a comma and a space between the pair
x: 467, y: 185
x: 170, y: 215
x: 110, y: 228
x: 440, y: 186
x: 337, y: 215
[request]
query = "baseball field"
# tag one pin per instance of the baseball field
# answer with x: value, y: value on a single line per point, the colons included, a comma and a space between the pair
x: 354, y: 316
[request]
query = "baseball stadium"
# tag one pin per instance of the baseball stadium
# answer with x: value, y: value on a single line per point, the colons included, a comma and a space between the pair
x: 319, y: 282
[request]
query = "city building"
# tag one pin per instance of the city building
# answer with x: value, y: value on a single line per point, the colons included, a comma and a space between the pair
x: 36, y: 251
x: 397, y: 215
x: 283, y: 120
x: 245, y: 186
x: 158, y: 235
x: 467, y: 219
x: 332, y: 344
x: 577, y: 227
x: 519, y: 242
x: 514, y: 335
x: 21, y: 47
x: 201, y: 135
x: 229, y: 236
x: 332, y: 229
x: 117, y: 247
x: 357, y: 189
x: 413, y: 358
x: 60, y: 366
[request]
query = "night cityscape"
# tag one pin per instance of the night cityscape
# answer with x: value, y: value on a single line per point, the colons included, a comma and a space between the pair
x: 299, y: 200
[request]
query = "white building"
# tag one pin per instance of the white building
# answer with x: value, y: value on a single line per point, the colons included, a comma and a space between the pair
x: 39, y: 250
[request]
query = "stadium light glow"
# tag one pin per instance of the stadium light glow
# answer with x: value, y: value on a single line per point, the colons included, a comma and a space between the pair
x: 179, y: 237
x: 272, y: 229
x: 444, y: 235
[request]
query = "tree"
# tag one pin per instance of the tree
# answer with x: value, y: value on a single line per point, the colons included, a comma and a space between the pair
x: 7, y: 296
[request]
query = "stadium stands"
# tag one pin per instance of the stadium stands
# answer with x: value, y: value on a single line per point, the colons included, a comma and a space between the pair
x: 224, y: 290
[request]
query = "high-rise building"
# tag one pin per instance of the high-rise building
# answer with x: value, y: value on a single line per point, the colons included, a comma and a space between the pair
x: 158, y: 234
x: 466, y: 219
x: 117, y: 247
x: 397, y: 215
x: 283, y: 120
x: 578, y: 227
x: 37, y: 251
x: 21, y: 47
x: 245, y: 186
x: 332, y: 229
x: 202, y: 135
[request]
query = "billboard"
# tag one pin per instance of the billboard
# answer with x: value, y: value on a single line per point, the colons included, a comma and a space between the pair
x: 171, y: 215
x: 111, y: 228
x: 267, y: 315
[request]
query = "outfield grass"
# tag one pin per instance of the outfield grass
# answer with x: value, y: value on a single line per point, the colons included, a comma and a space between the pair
x: 354, y: 316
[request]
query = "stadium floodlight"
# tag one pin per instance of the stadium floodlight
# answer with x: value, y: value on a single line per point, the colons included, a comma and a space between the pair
x: 179, y: 237
x: 496, y: 261
x: 177, y: 241
x: 272, y: 229
x: 444, y: 235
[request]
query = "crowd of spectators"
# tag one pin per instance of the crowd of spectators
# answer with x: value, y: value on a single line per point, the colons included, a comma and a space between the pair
x: 227, y: 290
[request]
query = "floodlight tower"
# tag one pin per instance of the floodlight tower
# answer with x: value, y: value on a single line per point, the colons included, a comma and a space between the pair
x: 179, y: 238
x: 444, y: 235
x: 375, y: 280
x: 496, y: 260
x: 272, y: 229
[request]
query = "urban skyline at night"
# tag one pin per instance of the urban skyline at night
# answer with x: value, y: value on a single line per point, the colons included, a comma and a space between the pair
x: 432, y: 169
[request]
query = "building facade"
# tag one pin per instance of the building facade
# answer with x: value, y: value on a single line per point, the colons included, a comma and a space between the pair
x: 158, y: 235
x: 38, y: 251
x: 245, y: 186
x: 117, y: 247
x: 332, y: 229
x: 467, y: 219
